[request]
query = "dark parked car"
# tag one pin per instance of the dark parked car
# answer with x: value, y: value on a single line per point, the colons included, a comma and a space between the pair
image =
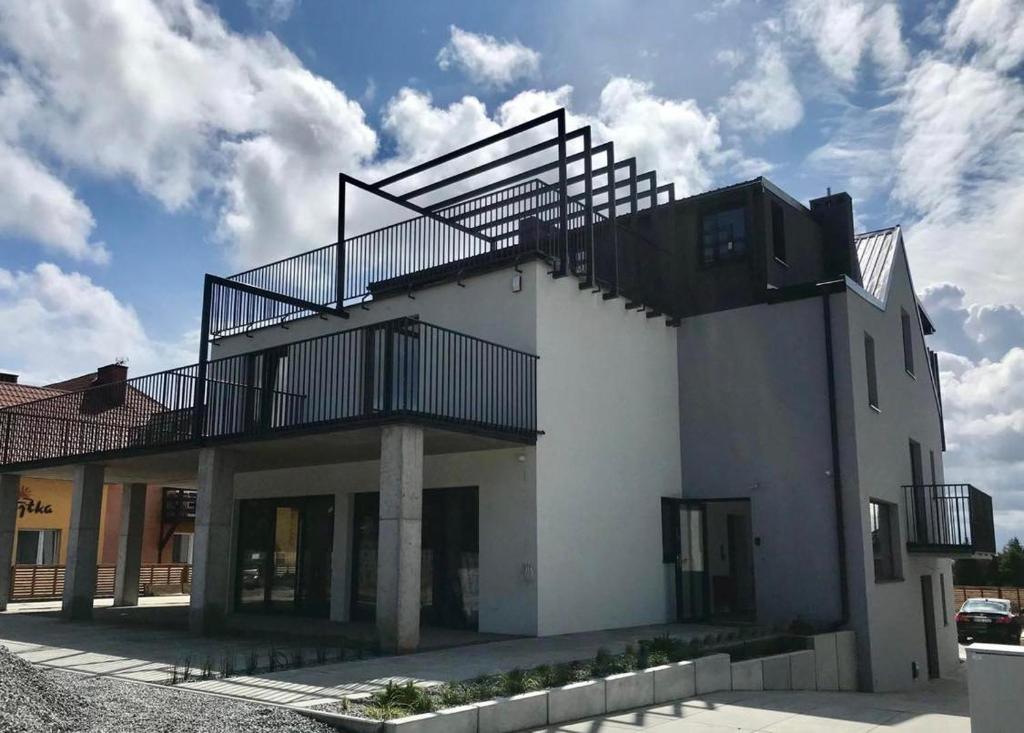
x: 988, y: 619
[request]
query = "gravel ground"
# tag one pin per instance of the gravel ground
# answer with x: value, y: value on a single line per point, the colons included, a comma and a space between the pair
x: 35, y: 700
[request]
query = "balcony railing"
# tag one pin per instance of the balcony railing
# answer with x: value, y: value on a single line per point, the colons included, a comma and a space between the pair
x: 398, y: 369
x: 498, y: 228
x: 949, y: 519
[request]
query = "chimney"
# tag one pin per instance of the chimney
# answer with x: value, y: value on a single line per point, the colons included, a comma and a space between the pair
x: 834, y: 214
x: 107, y: 390
x: 8, y: 378
x: 116, y: 372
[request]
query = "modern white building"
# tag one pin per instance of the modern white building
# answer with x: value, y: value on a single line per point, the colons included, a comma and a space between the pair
x: 548, y: 398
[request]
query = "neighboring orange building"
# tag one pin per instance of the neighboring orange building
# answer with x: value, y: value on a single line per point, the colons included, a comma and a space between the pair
x: 44, y: 505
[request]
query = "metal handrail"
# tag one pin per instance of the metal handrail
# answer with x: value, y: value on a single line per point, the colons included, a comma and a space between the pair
x: 401, y: 367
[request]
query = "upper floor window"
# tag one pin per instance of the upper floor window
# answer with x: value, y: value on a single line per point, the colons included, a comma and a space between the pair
x: 724, y: 235
x: 869, y: 360
x: 778, y: 232
x: 908, y: 342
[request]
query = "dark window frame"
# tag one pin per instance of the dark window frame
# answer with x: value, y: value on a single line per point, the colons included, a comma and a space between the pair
x: 945, y: 605
x: 871, y: 371
x: 779, y: 233
x: 883, y: 517
x: 739, y: 252
x: 908, y: 343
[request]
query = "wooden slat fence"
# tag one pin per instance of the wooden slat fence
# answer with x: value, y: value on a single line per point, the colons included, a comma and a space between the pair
x: 46, y: 582
x: 962, y: 592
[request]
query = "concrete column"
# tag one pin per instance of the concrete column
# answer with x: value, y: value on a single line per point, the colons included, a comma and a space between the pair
x: 341, y: 557
x: 399, y: 538
x: 129, y: 545
x: 211, y: 551
x: 83, y: 543
x: 9, y: 484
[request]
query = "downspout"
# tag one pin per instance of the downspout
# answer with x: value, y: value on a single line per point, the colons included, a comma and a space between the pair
x: 837, y: 481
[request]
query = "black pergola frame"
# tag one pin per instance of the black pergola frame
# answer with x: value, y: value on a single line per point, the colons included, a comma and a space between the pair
x: 563, y: 159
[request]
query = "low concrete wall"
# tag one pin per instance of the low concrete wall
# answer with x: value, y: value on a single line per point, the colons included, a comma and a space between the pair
x: 830, y: 665
x: 995, y: 684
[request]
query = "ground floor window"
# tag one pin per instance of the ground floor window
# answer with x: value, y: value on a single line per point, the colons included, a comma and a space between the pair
x: 284, y: 555
x: 449, y: 557
x: 883, y: 532
x: 181, y: 547
x: 38, y: 547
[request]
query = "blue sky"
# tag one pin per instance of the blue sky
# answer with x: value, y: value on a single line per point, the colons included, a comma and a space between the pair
x: 151, y: 141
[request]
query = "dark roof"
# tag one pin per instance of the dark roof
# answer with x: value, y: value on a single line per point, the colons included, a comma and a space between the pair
x: 876, y: 252
x: 75, y: 383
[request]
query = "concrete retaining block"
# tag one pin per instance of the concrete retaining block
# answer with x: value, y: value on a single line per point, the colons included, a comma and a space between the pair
x: 519, y: 712
x: 846, y: 660
x: 802, y: 670
x: 674, y: 681
x: 748, y: 675
x: 629, y: 690
x: 776, y: 672
x: 826, y: 662
x: 575, y: 701
x: 456, y: 720
x: 712, y: 673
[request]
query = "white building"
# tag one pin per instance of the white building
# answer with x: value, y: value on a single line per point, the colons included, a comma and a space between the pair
x: 524, y: 409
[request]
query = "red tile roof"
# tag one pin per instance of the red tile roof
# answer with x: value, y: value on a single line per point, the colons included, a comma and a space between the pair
x: 15, y: 394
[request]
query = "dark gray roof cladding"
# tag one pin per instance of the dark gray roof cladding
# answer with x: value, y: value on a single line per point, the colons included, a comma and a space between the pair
x: 875, y: 252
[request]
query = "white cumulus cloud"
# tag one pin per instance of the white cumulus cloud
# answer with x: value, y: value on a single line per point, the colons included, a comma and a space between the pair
x: 846, y: 32
x: 54, y: 324
x: 487, y: 60
x: 768, y: 100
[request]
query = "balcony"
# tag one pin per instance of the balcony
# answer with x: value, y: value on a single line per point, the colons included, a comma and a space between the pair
x: 950, y: 520
x: 177, y: 505
x: 398, y: 370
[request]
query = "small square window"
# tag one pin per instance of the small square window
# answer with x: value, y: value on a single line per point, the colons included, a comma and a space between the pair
x: 724, y: 235
x: 883, y: 545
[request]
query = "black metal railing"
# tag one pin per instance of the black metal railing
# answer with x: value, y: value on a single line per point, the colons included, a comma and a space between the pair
x: 177, y: 505
x: 507, y: 225
x: 402, y: 368
x: 953, y: 518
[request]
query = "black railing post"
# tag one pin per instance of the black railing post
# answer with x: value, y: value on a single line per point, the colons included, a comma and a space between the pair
x: 588, y: 171
x: 369, y: 362
x: 339, y: 282
x: 199, y: 397
x: 390, y: 383
x: 563, y: 192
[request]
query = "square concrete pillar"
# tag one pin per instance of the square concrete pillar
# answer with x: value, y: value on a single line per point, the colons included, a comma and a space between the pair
x: 9, y: 484
x: 211, y: 553
x: 341, y: 558
x: 399, y: 538
x: 129, y: 545
x: 83, y: 543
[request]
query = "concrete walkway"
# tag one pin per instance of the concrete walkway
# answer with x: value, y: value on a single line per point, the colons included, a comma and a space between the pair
x: 133, y: 651
x: 938, y: 707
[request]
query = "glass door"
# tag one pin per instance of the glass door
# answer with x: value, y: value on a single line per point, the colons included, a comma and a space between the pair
x: 691, y: 568
x: 284, y: 555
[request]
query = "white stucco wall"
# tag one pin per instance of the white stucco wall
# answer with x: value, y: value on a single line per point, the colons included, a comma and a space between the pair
x: 890, y: 622
x: 607, y: 396
x: 753, y: 409
x: 484, y: 306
